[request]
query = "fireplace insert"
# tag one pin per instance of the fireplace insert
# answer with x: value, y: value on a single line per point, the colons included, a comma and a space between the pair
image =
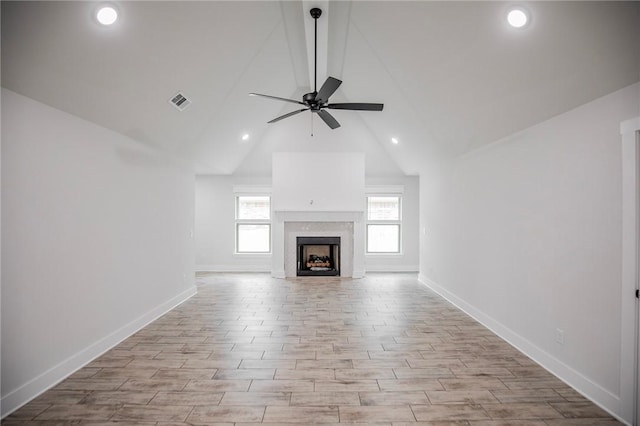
x: 319, y: 256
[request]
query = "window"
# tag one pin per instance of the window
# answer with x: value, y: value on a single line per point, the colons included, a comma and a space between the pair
x: 253, y: 224
x: 383, y: 224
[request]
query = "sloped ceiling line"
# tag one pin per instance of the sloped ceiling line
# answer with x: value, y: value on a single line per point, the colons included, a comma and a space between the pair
x: 340, y: 18
x: 294, y: 30
x: 238, y: 79
x: 397, y: 86
x: 403, y: 118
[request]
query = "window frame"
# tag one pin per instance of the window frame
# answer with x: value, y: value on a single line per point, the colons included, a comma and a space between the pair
x: 395, y: 222
x: 239, y: 222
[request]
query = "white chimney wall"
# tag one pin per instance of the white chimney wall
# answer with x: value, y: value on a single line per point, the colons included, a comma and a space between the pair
x: 318, y: 181
x: 324, y: 190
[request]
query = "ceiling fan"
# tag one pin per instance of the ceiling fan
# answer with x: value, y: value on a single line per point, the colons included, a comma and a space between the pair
x: 318, y: 101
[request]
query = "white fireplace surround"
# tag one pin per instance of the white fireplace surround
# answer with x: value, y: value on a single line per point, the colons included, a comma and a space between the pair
x: 348, y: 225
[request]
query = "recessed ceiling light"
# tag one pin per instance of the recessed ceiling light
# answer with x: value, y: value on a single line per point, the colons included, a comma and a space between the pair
x: 107, y: 15
x: 395, y: 141
x: 517, y: 17
x: 245, y: 137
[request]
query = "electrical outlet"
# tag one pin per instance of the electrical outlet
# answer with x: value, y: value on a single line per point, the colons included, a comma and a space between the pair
x: 559, y: 336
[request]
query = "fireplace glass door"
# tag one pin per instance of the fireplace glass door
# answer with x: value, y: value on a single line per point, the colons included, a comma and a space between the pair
x: 318, y: 256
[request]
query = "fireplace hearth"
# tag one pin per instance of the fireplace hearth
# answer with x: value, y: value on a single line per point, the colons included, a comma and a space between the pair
x: 318, y: 256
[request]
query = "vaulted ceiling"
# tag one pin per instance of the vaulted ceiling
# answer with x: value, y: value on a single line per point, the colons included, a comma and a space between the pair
x: 453, y: 75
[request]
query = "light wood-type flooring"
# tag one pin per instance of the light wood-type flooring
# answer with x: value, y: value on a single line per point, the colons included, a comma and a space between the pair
x: 251, y: 349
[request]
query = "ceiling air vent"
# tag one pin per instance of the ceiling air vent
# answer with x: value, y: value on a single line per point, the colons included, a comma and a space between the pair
x: 180, y: 101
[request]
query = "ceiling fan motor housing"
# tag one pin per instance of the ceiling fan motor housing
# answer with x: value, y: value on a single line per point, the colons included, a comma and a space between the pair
x: 310, y: 100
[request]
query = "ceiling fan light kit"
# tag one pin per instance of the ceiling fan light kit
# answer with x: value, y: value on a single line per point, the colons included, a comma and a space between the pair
x: 318, y: 101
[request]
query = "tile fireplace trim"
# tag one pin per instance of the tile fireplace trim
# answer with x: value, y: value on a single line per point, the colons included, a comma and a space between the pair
x: 278, y: 235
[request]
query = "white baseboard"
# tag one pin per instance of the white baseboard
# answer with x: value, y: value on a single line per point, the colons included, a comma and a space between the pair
x: 279, y: 274
x: 25, y: 393
x: 358, y: 273
x: 594, y: 392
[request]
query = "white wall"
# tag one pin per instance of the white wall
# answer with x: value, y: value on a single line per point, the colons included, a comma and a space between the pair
x: 215, y: 225
x: 525, y: 234
x: 322, y: 181
x: 96, y: 242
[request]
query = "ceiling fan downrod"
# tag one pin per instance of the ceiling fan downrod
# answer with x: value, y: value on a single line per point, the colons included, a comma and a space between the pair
x: 315, y: 14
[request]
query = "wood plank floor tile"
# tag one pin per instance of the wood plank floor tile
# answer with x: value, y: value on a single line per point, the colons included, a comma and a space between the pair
x: 217, y: 385
x: 284, y: 364
x: 304, y: 415
x: 256, y: 398
x: 370, y: 414
x: 394, y: 398
x: 404, y: 385
x: 245, y: 373
x: 323, y: 363
x: 282, y: 386
x: 91, y: 384
x: 125, y: 372
x: 54, y: 396
x: 380, y: 363
x: 420, y: 373
x: 364, y: 373
x: 171, y: 413
x: 448, y: 412
x: 306, y: 373
x: 462, y: 397
x: 119, y: 397
x: 77, y: 412
x: 33, y: 409
x: 515, y: 411
x: 186, y: 398
x: 530, y: 395
x: 249, y: 349
x: 311, y: 399
x: 346, y: 385
x: 582, y: 410
x: 185, y: 373
x: 209, y: 415
x: 154, y: 385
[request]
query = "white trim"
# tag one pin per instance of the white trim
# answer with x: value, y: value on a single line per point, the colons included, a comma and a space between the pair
x: 318, y: 216
x: 630, y: 126
x: 629, y: 304
x: 357, y: 273
x: 30, y: 390
x: 384, y: 189
x: 279, y: 274
x: 251, y: 189
x: 594, y: 392
x: 252, y: 255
